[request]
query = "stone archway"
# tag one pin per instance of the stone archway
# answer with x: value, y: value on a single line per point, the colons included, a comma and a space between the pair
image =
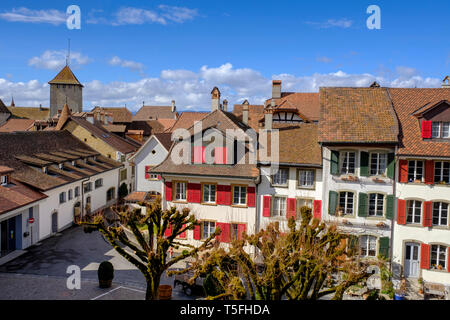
x: 76, y: 210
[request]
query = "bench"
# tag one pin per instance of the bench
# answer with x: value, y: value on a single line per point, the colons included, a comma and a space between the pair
x: 436, y: 289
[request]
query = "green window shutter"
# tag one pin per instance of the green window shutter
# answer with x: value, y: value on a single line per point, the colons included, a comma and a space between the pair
x: 383, y: 245
x: 391, y: 165
x: 362, y: 205
x: 364, y: 165
x: 353, y: 244
x: 332, y: 203
x: 390, y: 207
x: 334, y: 163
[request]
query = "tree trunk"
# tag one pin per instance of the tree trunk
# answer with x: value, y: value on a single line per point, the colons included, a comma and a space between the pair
x: 152, y: 288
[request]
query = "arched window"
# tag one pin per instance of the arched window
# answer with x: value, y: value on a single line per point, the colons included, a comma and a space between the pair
x: 111, y: 194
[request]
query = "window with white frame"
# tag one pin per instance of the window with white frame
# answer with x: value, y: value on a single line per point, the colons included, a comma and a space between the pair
x: 376, y: 204
x: 346, y: 203
x: 438, y: 257
x: 414, y: 212
x: 347, y: 162
x: 208, y: 228
x: 440, y: 130
x: 70, y: 194
x: 123, y: 174
x: 306, y: 178
x: 87, y: 187
x: 111, y: 194
x: 440, y: 213
x: 368, y: 246
x: 180, y: 191
x: 239, y: 195
x: 279, y: 207
x: 234, y: 231
x: 281, y: 177
x: 415, y: 170
x: 77, y: 191
x: 4, y: 180
x: 378, y: 163
x: 209, y: 193
x: 442, y: 172
x: 98, y: 183
x: 62, y: 197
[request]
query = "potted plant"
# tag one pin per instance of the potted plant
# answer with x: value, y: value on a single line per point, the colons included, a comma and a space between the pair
x: 105, y: 274
x: 400, y: 293
x: 165, y: 292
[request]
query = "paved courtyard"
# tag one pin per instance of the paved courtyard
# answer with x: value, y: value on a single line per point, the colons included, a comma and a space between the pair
x: 40, y: 273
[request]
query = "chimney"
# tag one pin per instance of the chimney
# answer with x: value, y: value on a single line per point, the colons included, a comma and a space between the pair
x: 215, y: 99
x: 225, y: 105
x: 268, y: 119
x: 174, y: 108
x: 245, y: 112
x: 446, y: 82
x: 276, y: 89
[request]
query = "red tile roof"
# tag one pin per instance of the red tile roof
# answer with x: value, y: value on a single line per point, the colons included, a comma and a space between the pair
x: 13, y: 125
x: 307, y: 103
x: 65, y: 76
x: 16, y: 195
x: 406, y: 102
x: 155, y: 113
x: 187, y: 119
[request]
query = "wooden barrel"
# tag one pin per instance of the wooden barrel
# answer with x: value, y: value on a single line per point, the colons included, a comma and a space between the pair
x: 165, y: 292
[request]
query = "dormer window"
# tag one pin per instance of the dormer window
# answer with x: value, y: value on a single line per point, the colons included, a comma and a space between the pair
x: 61, y: 166
x: 4, y: 180
x: 73, y: 163
x: 44, y: 170
x: 440, y: 130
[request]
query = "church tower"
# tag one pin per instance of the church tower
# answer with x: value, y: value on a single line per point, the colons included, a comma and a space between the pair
x: 65, y: 88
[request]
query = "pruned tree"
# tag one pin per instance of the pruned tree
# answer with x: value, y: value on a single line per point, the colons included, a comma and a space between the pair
x: 148, y: 251
x: 298, y: 265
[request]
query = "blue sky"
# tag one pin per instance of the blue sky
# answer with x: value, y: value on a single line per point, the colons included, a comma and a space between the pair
x: 154, y: 51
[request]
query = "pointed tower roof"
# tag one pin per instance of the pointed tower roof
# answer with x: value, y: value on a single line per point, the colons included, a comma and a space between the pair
x: 12, y: 102
x: 65, y: 76
x: 65, y: 115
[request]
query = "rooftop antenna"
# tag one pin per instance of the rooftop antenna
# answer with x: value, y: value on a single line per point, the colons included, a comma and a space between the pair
x: 68, y: 52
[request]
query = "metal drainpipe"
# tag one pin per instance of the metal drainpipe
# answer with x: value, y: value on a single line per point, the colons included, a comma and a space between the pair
x: 394, y: 190
x: 82, y: 196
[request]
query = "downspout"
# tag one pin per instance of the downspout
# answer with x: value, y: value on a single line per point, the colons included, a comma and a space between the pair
x: 257, y: 182
x: 82, y: 196
x: 394, y: 190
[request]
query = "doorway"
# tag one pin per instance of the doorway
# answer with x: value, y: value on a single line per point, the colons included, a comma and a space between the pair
x: 55, y: 222
x: 8, y: 236
x: 412, y: 260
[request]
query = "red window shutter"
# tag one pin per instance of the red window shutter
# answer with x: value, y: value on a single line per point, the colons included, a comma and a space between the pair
x: 220, y: 155
x: 168, y: 191
x: 194, y: 192
x: 168, y: 231
x: 197, y: 233
x: 317, y: 209
x: 241, y: 230
x: 183, y: 234
x: 146, y: 172
x: 424, y: 256
x: 226, y: 195
x: 266, y: 206
x: 426, y: 129
x: 448, y: 259
x: 427, y: 214
x: 219, y: 194
x: 291, y: 208
x: 429, y: 171
x: 251, y: 197
x: 226, y: 229
x: 403, y: 171
x: 401, y: 211
x: 159, y: 177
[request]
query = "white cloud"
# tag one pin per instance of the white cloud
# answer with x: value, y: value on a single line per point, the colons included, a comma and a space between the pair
x: 137, y: 16
x: 23, y: 14
x: 178, y: 14
x: 332, y: 23
x: 55, y: 60
x: 324, y: 59
x: 132, y: 65
x: 191, y: 89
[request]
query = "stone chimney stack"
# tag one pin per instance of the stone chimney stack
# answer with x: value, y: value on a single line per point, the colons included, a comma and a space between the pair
x: 276, y: 89
x: 173, y: 106
x: 225, y: 105
x: 268, y: 115
x: 215, y: 99
x: 245, y: 112
x: 446, y: 82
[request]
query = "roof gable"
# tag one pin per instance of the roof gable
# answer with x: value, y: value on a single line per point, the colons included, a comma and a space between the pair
x: 65, y: 76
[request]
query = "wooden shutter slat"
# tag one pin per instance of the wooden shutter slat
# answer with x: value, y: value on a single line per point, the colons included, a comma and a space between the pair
x: 424, y: 256
x: 364, y: 164
x: 317, y: 209
x: 426, y: 129
x: 197, y: 233
x: 362, y: 205
x: 403, y: 171
x: 291, y: 208
x: 427, y: 214
x: 168, y: 191
x: 401, y: 211
x: 332, y: 204
x: 429, y: 172
x: 390, y: 207
x: 241, y: 230
x: 266, y: 206
x: 251, y: 197
x: 194, y: 192
x: 384, y: 247
x: 183, y: 234
x: 147, y: 175
x: 391, y: 165
x: 334, y: 162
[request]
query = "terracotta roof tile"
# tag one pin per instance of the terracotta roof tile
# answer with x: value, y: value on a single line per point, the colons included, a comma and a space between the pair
x: 65, y: 76
x: 13, y: 125
x: 307, y: 103
x: 30, y: 112
x: 406, y: 102
x: 255, y: 114
x: 187, y: 119
x: 155, y: 113
x: 16, y: 195
x: 118, y: 114
x: 357, y: 115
